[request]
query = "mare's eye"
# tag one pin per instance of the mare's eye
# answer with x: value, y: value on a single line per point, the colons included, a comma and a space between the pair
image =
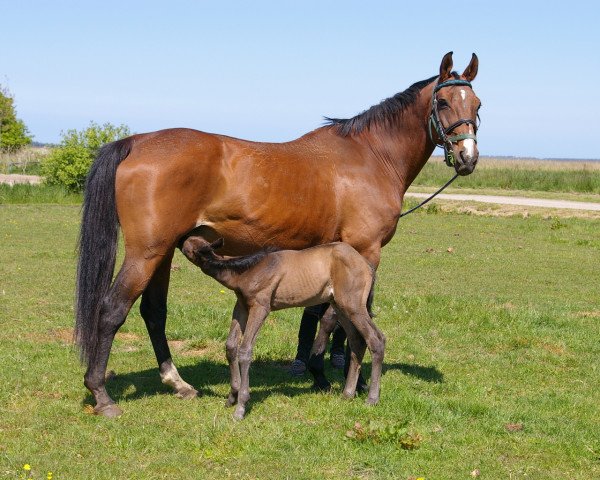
x: 442, y: 104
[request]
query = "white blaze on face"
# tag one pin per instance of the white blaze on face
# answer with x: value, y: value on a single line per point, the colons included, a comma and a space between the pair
x: 469, y: 146
x: 463, y: 94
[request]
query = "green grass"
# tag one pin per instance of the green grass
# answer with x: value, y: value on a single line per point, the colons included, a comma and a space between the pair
x: 36, y: 194
x: 500, y: 333
x: 546, y: 176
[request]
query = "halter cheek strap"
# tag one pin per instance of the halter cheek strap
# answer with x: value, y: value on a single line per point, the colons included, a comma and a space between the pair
x: 443, y: 133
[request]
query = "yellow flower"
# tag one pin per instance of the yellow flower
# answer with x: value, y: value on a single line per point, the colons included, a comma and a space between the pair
x: 27, y: 467
x: 49, y: 476
x: 222, y: 291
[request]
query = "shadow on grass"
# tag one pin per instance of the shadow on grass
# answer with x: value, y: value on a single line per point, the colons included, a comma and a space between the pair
x: 267, y: 377
x: 427, y: 374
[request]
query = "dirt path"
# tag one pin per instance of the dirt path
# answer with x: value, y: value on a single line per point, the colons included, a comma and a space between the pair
x: 14, y: 178
x: 521, y: 201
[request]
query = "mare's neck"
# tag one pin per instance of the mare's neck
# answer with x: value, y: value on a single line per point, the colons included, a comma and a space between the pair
x: 403, y: 148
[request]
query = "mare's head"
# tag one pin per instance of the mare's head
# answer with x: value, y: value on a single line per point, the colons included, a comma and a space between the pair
x: 453, y: 120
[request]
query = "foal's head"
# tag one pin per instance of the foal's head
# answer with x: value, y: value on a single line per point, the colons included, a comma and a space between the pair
x: 198, y: 251
x: 454, y: 115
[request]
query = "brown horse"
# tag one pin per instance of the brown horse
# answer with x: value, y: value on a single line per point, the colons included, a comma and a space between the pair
x: 343, y: 182
x: 332, y: 273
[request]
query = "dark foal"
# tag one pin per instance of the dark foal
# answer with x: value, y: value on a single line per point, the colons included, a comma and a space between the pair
x: 266, y: 281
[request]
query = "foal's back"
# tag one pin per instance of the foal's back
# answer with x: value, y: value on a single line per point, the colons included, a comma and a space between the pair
x: 300, y: 278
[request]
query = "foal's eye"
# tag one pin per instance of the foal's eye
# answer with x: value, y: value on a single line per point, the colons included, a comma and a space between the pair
x: 442, y: 104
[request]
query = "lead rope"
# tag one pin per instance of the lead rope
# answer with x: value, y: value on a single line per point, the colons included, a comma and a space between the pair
x: 427, y: 199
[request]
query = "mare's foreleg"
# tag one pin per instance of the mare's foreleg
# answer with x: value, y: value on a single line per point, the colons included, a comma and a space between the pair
x: 239, y: 318
x: 153, y: 308
x: 316, y: 363
x: 256, y: 316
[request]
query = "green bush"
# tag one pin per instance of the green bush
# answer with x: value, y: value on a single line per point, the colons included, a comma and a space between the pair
x: 13, y: 132
x: 68, y: 165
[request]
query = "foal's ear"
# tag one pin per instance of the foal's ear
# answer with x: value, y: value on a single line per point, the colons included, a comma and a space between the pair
x: 471, y: 71
x: 217, y: 244
x: 445, y: 67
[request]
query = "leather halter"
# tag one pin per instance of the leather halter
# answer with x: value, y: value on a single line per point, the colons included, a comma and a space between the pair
x: 444, y: 139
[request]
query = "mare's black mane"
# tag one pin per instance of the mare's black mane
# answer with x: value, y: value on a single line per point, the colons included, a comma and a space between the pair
x: 385, y: 113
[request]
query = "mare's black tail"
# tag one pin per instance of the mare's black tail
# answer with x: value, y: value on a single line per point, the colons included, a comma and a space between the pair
x: 97, y: 244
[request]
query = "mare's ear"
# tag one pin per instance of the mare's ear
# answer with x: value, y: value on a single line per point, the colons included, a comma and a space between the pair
x: 217, y: 244
x: 445, y: 67
x: 471, y: 71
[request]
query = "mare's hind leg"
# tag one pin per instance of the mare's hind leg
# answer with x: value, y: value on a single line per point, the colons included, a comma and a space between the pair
x: 316, y: 364
x: 238, y: 323
x: 127, y: 287
x: 153, y: 308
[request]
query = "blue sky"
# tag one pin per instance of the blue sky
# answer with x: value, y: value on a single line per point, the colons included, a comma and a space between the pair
x: 270, y: 70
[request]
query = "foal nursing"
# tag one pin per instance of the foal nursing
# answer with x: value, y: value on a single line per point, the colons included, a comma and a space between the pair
x: 333, y: 273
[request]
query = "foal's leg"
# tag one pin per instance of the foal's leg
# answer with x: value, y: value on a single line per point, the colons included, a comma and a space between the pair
x: 238, y: 323
x: 256, y: 316
x: 316, y: 363
x: 153, y: 308
x: 128, y: 285
x: 375, y: 341
x: 355, y: 353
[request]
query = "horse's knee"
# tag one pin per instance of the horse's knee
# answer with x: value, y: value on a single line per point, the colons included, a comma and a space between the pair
x: 231, y: 347
x: 378, y: 349
x: 244, y: 355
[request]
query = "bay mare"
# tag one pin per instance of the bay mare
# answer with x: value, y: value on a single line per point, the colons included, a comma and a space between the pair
x: 343, y: 182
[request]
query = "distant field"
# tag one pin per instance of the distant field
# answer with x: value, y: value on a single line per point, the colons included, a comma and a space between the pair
x: 518, y: 174
x: 491, y: 365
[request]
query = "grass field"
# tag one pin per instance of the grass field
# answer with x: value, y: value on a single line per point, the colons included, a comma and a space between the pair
x: 518, y: 174
x: 491, y: 365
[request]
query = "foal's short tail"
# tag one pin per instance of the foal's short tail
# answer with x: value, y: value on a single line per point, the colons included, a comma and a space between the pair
x: 97, y: 244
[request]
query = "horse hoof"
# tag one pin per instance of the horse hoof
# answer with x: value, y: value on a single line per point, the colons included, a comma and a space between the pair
x: 348, y: 395
x: 238, y: 414
x: 109, y: 411
x: 372, y: 401
x: 187, y: 393
x: 361, y: 387
x: 322, y: 386
x: 231, y: 401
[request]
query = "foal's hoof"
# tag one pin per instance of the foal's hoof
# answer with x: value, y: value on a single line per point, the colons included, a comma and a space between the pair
x: 231, y: 400
x: 187, y: 393
x: 109, y: 411
x: 239, y: 414
x: 372, y: 401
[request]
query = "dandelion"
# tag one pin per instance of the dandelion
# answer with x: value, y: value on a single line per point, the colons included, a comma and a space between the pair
x: 26, y: 467
x: 222, y: 291
x: 49, y: 476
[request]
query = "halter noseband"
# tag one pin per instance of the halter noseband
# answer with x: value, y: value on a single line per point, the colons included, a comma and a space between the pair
x: 442, y: 133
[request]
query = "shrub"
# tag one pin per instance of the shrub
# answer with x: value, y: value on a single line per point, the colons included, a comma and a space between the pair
x: 13, y: 132
x: 68, y: 165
